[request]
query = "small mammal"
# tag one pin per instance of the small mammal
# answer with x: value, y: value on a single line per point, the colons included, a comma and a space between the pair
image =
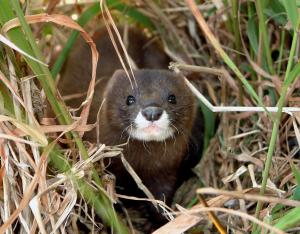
x: 156, y: 117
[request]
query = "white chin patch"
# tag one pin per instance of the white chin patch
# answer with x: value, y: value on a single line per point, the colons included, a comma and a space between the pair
x: 146, y: 130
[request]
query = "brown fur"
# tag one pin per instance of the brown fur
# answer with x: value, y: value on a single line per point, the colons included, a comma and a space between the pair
x: 157, y: 163
x: 77, y: 69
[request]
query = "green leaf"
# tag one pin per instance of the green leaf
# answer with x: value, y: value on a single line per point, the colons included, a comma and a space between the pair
x: 296, y: 172
x: 209, y: 125
x: 292, y: 11
x: 276, y: 11
x: 289, y: 220
x: 296, y: 193
x: 293, y: 75
x: 252, y: 33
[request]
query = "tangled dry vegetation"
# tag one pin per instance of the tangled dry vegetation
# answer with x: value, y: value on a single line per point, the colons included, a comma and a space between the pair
x: 44, y: 191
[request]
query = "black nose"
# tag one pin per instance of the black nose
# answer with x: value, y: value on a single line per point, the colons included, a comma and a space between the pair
x: 152, y: 113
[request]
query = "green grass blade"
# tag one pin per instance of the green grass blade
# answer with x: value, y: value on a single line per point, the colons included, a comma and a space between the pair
x: 289, y: 78
x: 101, y: 204
x: 252, y: 33
x: 209, y: 124
x: 294, y: 74
x: 296, y: 173
x: 282, y: 42
x: 6, y: 103
x: 292, y: 12
x: 296, y: 193
x: 289, y: 220
x: 260, y: 5
x: 226, y: 58
x: 276, y: 11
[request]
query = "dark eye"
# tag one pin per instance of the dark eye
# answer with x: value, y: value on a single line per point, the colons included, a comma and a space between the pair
x: 130, y: 100
x: 172, y: 99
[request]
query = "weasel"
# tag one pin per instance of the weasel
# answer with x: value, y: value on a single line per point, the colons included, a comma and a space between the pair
x: 155, y: 116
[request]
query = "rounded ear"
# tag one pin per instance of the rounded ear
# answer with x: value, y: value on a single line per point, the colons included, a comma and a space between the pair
x: 114, y: 81
x: 119, y: 77
x: 118, y: 74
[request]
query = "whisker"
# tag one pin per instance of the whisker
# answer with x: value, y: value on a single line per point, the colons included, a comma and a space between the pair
x: 174, y: 127
x: 165, y: 150
x: 125, y: 129
x: 145, y: 147
x: 186, y: 136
